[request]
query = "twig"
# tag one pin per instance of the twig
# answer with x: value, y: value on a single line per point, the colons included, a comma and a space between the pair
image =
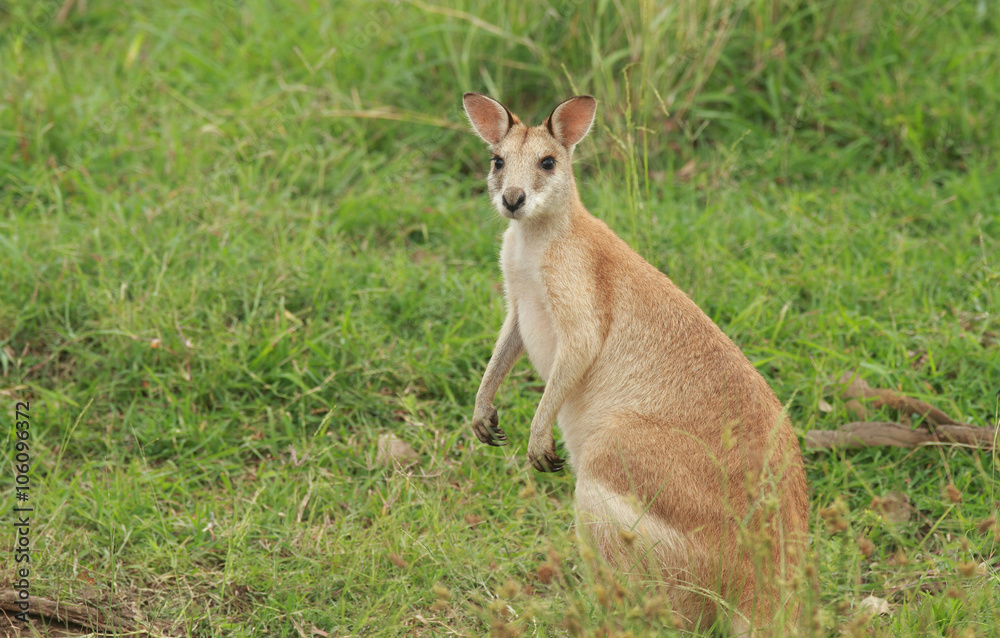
x: 859, y: 389
x: 82, y: 615
x: 861, y: 434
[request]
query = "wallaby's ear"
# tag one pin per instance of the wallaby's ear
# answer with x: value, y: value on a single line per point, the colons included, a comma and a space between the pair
x: 491, y: 119
x: 571, y: 121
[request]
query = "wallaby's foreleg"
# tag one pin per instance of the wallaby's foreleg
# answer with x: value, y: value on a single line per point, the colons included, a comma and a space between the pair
x: 508, y: 349
x: 574, y: 357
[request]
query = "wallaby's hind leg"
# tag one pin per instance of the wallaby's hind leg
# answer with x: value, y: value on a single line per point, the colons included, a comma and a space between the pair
x: 637, y: 544
x: 720, y: 549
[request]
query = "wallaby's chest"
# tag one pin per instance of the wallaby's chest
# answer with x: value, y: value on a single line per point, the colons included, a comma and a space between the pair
x: 527, y: 295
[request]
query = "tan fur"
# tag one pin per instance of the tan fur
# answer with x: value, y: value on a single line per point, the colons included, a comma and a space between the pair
x: 672, y: 432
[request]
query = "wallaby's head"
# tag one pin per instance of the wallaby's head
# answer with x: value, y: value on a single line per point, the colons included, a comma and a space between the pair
x: 531, y: 174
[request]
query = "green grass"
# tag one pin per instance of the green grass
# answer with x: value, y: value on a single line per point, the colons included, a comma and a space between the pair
x: 242, y: 239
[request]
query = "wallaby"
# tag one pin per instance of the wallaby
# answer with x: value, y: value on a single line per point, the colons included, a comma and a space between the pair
x: 687, y: 467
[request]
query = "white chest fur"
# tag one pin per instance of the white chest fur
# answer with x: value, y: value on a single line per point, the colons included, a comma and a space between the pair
x: 521, y: 261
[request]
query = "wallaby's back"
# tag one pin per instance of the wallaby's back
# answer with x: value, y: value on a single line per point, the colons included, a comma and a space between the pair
x: 673, y: 418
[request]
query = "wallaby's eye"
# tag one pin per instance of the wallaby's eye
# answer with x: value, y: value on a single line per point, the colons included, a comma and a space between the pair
x: 548, y: 163
x: 497, y: 162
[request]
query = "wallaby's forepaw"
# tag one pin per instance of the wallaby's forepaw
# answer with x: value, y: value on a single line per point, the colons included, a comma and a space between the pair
x: 485, y: 425
x: 544, y: 458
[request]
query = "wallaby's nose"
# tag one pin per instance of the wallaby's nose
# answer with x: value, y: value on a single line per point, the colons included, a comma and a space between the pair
x: 513, y: 198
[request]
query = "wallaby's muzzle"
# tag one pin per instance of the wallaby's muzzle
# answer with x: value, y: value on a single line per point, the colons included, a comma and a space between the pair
x: 513, y: 198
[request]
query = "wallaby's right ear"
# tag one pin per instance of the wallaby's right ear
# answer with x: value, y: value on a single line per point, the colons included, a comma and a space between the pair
x: 491, y: 119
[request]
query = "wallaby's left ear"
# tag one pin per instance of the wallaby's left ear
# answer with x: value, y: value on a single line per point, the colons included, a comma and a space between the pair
x: 571, y: 121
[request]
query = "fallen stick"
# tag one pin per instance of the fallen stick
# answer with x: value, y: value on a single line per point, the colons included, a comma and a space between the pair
x: 861, y: 434
x: 858, y: 388
x: 82, y: 615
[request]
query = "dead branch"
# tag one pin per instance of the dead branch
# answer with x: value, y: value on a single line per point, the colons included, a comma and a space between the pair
x: 937, y: 428
x: 878, y: 397
x: 872, y: 433
x: 84, y: 615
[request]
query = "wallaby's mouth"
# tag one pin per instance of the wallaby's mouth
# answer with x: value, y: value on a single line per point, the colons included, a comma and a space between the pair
x: 512, y: 214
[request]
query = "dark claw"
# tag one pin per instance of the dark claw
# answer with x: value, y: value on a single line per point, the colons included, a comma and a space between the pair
x: 548, y: 462
x: 489, y: 431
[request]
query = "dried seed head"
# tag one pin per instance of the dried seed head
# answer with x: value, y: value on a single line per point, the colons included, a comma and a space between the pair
x: 503, y: 629
x: 793, y: 553
x: 677, y: 621
x: 751, y: 485
x: 727, y: 436
x: 510, y: 590
x: 953, y: 494
x: 530, y: 613
x: 497, y: 606
x: 857, y: 628
x: 627, y: 536
x: 398, y: 561
x: 654, y: 608
x: 473, y: 519
x: 546, y: 572
x: 834, y: 516
x: 619, y: 592
x: 816, y: 622
x: 901, y: 558
x: 986, y: 525
x: 441, y: 592
x: 866, y: 546
x: 894, y: 507
x: 601, y: 594
x: 968, y: 569
x: 441, y: 605
x: 571, y: 620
